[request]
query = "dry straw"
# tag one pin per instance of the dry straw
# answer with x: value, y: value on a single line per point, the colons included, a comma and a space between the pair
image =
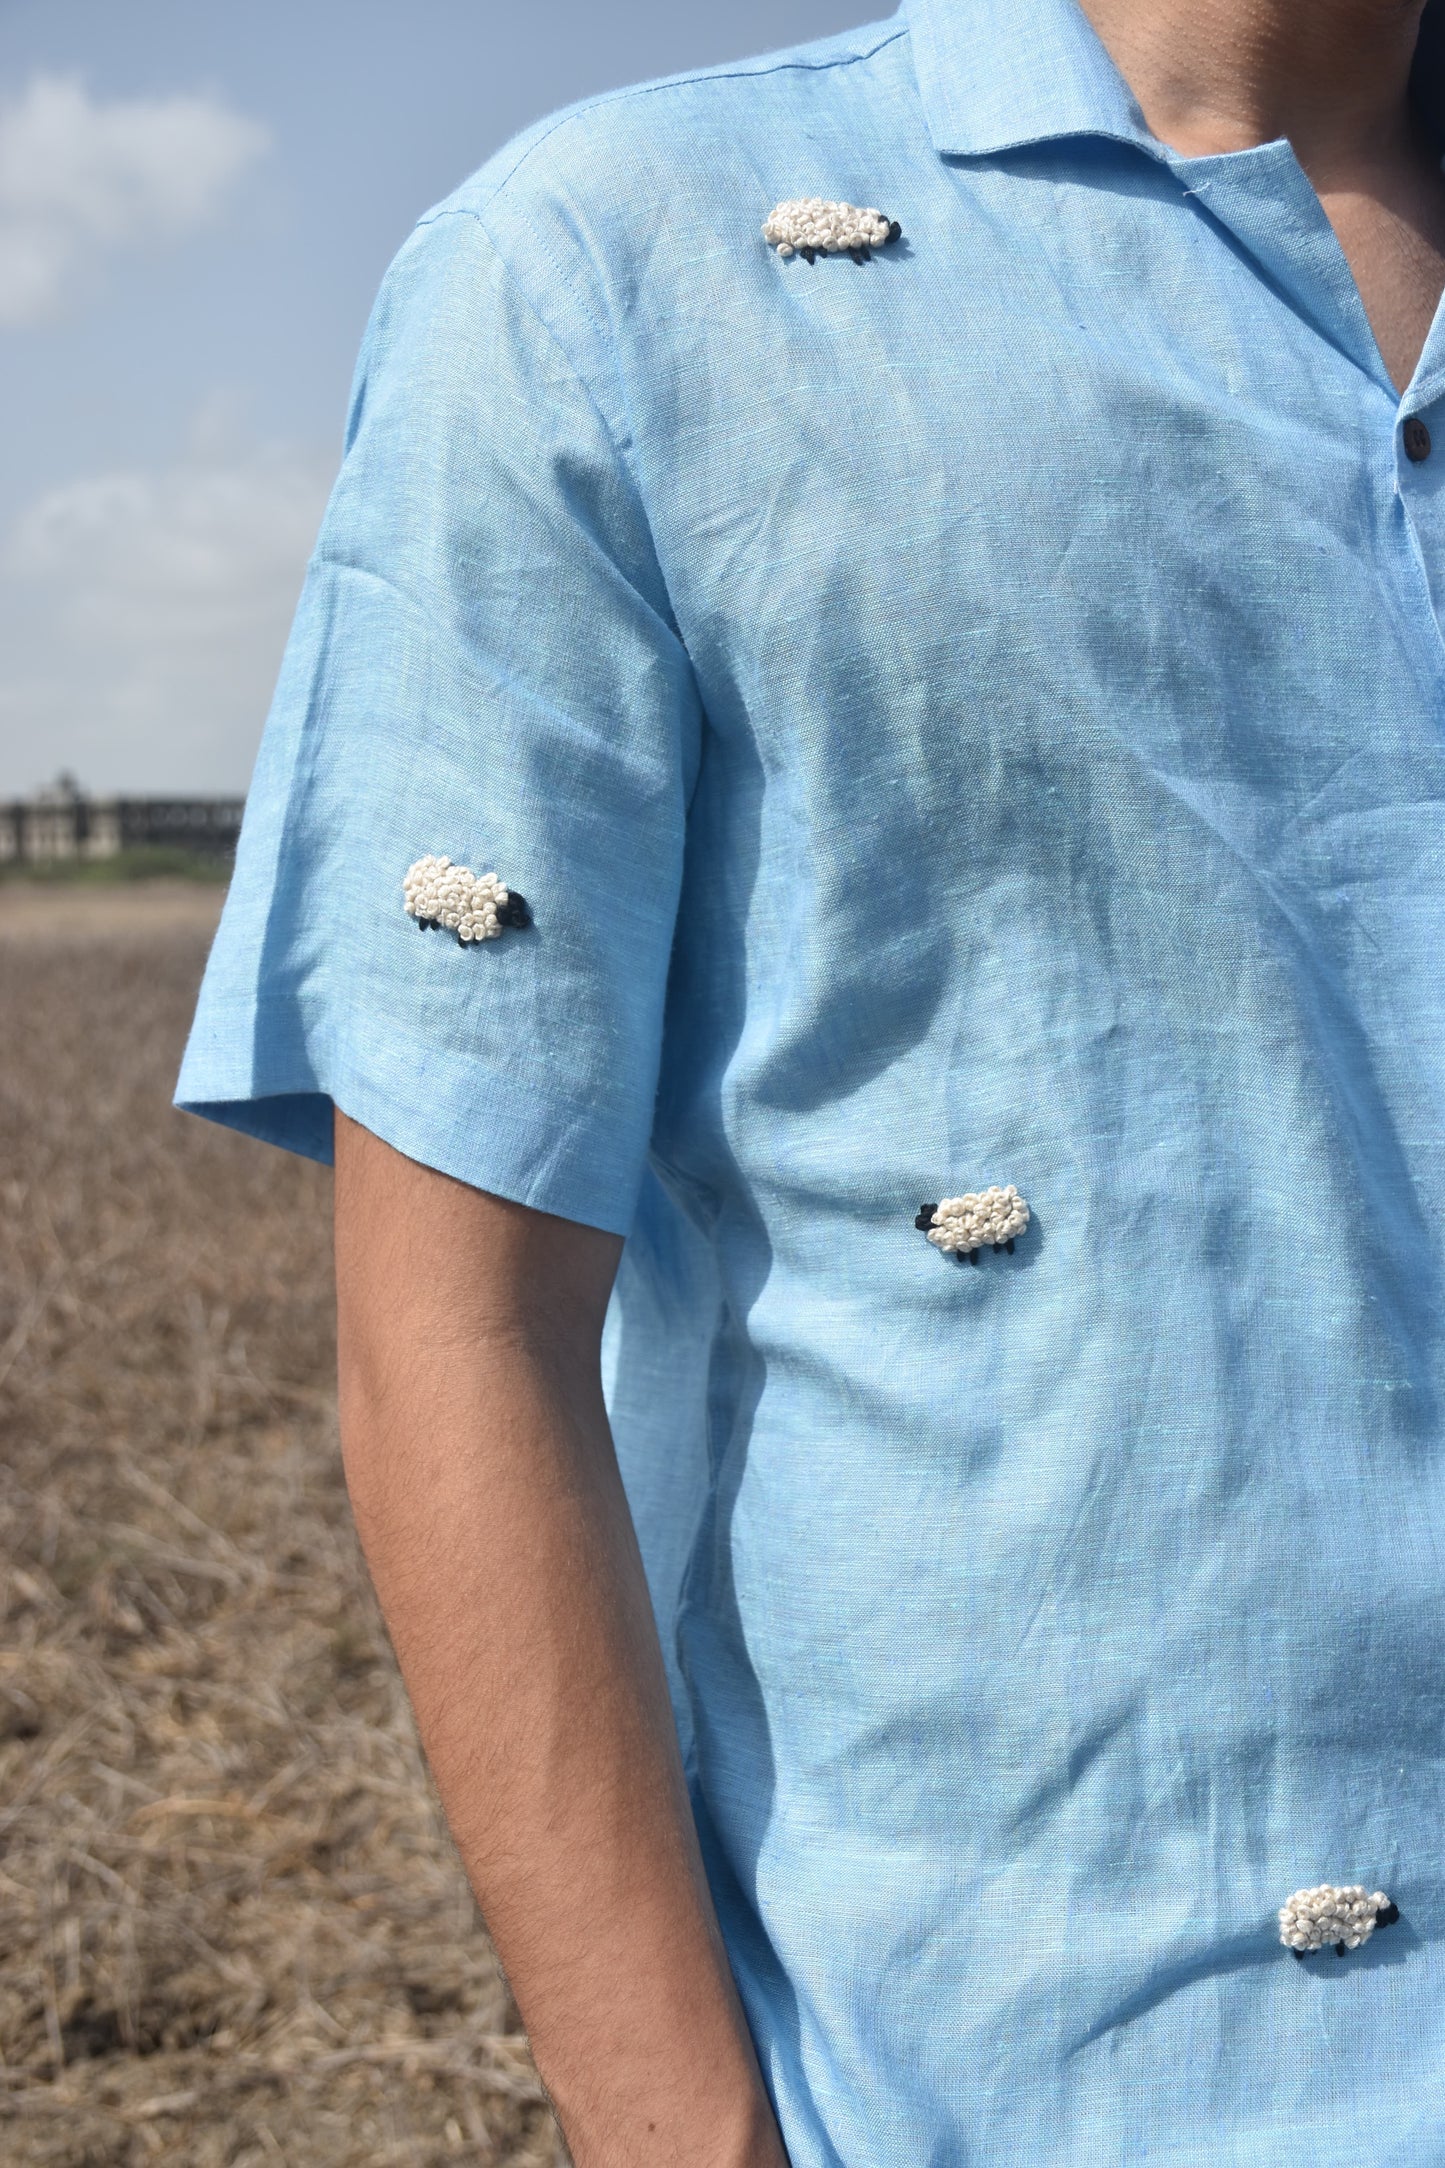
x: 232, y: 1930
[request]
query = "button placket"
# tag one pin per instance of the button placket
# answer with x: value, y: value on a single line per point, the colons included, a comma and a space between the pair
x: 1418, y: 479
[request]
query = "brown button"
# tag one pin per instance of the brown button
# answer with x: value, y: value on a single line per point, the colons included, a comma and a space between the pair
x: 1417, y: 439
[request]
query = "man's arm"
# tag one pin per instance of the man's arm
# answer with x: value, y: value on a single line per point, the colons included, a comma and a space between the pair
x: 489, y: 1505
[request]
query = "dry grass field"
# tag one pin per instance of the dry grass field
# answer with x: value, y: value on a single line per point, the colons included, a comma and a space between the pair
x: 232, y: 1931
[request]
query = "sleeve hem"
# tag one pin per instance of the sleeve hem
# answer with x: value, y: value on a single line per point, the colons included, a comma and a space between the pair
x: 532, y: 1149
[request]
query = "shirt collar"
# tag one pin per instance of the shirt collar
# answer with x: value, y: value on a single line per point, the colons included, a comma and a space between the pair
x: 995, y: 74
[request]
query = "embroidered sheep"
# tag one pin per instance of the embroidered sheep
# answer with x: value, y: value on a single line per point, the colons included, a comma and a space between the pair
x: 810, y: 227
x: 960, y: 1226
x: 1314, y: 1918
x: 475, y: 907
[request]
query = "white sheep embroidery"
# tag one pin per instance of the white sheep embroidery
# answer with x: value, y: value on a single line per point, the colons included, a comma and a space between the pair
x: 961, y: 1226
x: 1314, y: 1918
x: 475, y: 907
x: 810, y: 227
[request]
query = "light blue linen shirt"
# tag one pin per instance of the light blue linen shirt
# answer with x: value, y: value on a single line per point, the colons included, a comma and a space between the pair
x: 970, y: 717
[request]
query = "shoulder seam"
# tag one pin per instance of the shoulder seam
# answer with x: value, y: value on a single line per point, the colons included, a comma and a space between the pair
x: 553, y: 339
x: 733, y: 72
x: 616, y: 429
x: 564, y: 277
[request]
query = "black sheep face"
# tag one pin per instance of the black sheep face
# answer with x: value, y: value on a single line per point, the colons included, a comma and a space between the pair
x: 863, y: 253
x: 512, y: 915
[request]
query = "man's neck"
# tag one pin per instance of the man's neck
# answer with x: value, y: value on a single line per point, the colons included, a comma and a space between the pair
x: 1332, y: 77
x: 1223, y: 75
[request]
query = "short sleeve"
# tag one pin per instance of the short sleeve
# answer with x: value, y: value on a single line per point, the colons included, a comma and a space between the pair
x: 483, y: 667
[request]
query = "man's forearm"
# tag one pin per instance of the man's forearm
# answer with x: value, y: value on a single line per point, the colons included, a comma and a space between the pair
x: 488, y: 1500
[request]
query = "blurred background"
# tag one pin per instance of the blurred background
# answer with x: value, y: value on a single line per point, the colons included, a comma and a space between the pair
x: 196, y: 205
x: 232, y: 1931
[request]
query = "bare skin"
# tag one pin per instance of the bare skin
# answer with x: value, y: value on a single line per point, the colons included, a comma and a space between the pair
x: 1331, y: 77
x: 476, y: 1444
x: 487, y: 1497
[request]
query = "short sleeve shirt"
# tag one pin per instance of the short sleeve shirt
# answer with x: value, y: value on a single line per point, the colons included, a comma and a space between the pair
x: 963, y: 715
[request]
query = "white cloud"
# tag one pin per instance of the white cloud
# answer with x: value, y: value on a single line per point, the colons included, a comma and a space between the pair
x: 78, y: 174
x: 142, y: 617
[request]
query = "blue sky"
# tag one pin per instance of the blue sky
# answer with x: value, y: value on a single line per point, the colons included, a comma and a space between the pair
x: 196, y: 203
